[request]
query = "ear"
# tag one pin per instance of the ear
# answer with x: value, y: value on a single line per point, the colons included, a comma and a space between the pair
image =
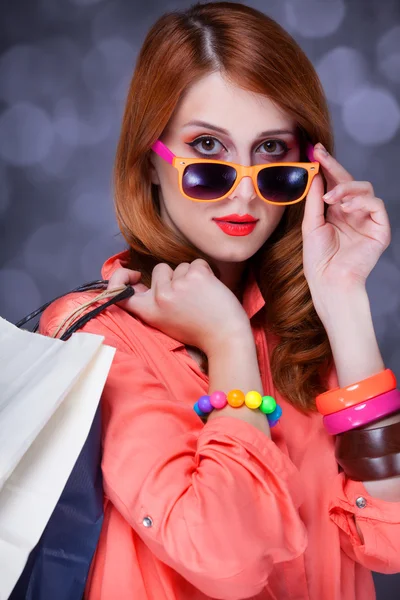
x: 153, y: 172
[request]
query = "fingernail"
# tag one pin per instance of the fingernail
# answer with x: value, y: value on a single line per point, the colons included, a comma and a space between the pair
x: 322, y: 148
x: 328, y: 195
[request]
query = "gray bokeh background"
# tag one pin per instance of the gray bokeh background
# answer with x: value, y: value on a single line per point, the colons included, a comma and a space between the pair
x: 64, y: 71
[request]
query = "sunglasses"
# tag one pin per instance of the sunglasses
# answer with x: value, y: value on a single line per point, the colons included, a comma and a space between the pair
x: 207, y: 180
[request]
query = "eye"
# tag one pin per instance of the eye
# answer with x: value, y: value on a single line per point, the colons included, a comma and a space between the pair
x: 271, y: 146
x: 206, y: 144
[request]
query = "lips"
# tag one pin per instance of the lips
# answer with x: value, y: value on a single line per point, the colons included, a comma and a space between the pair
x: 236, y: 219
x: 236, y: 229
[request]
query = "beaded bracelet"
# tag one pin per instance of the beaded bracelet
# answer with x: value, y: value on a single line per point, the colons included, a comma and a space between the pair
x: 267, y: 404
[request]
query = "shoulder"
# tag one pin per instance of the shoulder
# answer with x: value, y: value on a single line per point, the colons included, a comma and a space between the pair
x: 120, y: 329
x: 114, y: 323
x: 60, y: 309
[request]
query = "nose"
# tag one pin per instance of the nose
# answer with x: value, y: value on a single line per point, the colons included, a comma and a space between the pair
x: 245, y: 190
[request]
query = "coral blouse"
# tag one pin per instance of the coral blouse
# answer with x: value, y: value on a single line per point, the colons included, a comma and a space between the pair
x: 199, y: 511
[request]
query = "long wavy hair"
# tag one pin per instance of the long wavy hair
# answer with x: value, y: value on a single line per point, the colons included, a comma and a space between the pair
x: 255, y: 52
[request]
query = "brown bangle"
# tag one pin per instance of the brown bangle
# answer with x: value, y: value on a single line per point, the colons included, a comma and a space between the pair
x: 369, y: 454
x: 371, y: 469
x: 368, y: 443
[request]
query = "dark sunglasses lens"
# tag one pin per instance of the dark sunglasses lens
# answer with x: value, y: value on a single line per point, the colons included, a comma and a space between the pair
x: 207, y: 181
x: 282, y: 184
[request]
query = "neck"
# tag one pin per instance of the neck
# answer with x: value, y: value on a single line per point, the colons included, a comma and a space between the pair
x: 232, y: 275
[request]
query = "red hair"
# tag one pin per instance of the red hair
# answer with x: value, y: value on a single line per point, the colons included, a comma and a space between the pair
x: 255, y: 52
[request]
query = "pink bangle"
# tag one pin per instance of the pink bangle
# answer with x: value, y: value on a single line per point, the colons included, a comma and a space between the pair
x: 363, y: 413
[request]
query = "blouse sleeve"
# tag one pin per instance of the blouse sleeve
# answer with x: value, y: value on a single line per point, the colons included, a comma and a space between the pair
x: 378, y: 521
x: 216, y: 502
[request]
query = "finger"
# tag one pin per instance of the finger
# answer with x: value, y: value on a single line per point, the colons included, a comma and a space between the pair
x: 123, y: 276
x: 333, y: 171
x: 161, y: 279
x: 349, y: 188
x: 180, y: 271
x: 200, y: 263
x: 314, y: 208
x: 199, y: 269
x: 142, y: 303
x: 375, y: 207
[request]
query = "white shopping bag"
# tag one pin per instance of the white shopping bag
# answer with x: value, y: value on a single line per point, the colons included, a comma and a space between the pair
x: 49, y: 393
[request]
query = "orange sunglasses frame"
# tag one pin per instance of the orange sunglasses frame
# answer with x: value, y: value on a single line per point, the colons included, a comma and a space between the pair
x: 252, y: 171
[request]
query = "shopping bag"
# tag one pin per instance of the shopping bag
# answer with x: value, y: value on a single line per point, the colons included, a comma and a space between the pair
x: 49, y: 397
x: 59, y: 564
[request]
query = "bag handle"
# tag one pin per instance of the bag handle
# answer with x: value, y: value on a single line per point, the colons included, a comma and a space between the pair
x: 117, y: 293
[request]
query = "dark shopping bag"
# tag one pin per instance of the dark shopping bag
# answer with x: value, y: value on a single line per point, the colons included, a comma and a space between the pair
x: 58, y: 566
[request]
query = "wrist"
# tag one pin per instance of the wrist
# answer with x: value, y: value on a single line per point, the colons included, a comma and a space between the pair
x: 253, y: 417
x: 341, y: 302
x: 350, y: 330
x: 238, y: 338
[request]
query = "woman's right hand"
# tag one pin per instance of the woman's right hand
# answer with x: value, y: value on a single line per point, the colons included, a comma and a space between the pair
x: 189, y: 304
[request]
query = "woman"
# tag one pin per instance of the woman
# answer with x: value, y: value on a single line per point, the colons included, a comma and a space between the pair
x: 227, y: 506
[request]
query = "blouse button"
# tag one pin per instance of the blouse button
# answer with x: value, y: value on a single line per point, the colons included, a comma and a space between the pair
x: 147, y: 521
x: 361, y: 502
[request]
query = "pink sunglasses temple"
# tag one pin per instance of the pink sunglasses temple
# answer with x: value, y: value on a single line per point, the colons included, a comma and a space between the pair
x: 161, y: 149
x: 310, y: 153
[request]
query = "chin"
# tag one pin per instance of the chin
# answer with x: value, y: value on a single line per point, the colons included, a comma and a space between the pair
x: 233, y: 255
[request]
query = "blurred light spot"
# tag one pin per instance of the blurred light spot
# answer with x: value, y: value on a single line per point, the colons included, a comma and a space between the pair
x: 371, y: 116
x: 383, y: 288
x: 31, y: 72
x: 313, y: 18
x: 18, y: 68
x: 108, y: 66
x: 353, y: 156
x: 97, y: 123
x: 342, y: 72
x: 85, y: 2
x: 121, y: 19
x: 92, y: 208
x: 26, y: 134
x: 64, y: 59
x: 96, y: 252
x: 5, y: 190
x: 53, y: 250
x: 390, y: 66
x: 384, y: 163
x: 393, y: 360
x: 19, y: 294
x: 388, y: 51
x: 395, y: 245
x: 66, y: 121
x: 56, y: 162
x: 91, y: 124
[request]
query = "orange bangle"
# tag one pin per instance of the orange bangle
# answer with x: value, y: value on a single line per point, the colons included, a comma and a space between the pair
x: 339, y: 398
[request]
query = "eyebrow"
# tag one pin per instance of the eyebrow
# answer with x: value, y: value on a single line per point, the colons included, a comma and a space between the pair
x: 226, y: 132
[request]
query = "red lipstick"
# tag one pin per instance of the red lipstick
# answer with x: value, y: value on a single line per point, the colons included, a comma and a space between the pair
x: 236, y: 225
x: 237, y: 219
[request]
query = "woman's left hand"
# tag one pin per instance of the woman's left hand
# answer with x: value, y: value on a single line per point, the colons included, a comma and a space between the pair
x: 340, y: 251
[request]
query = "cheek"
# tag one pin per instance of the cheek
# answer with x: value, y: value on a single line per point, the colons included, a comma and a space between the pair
x: 272, y: 215
x: 186, y: 214
x: 177, y: 210
x: 169, y: 182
